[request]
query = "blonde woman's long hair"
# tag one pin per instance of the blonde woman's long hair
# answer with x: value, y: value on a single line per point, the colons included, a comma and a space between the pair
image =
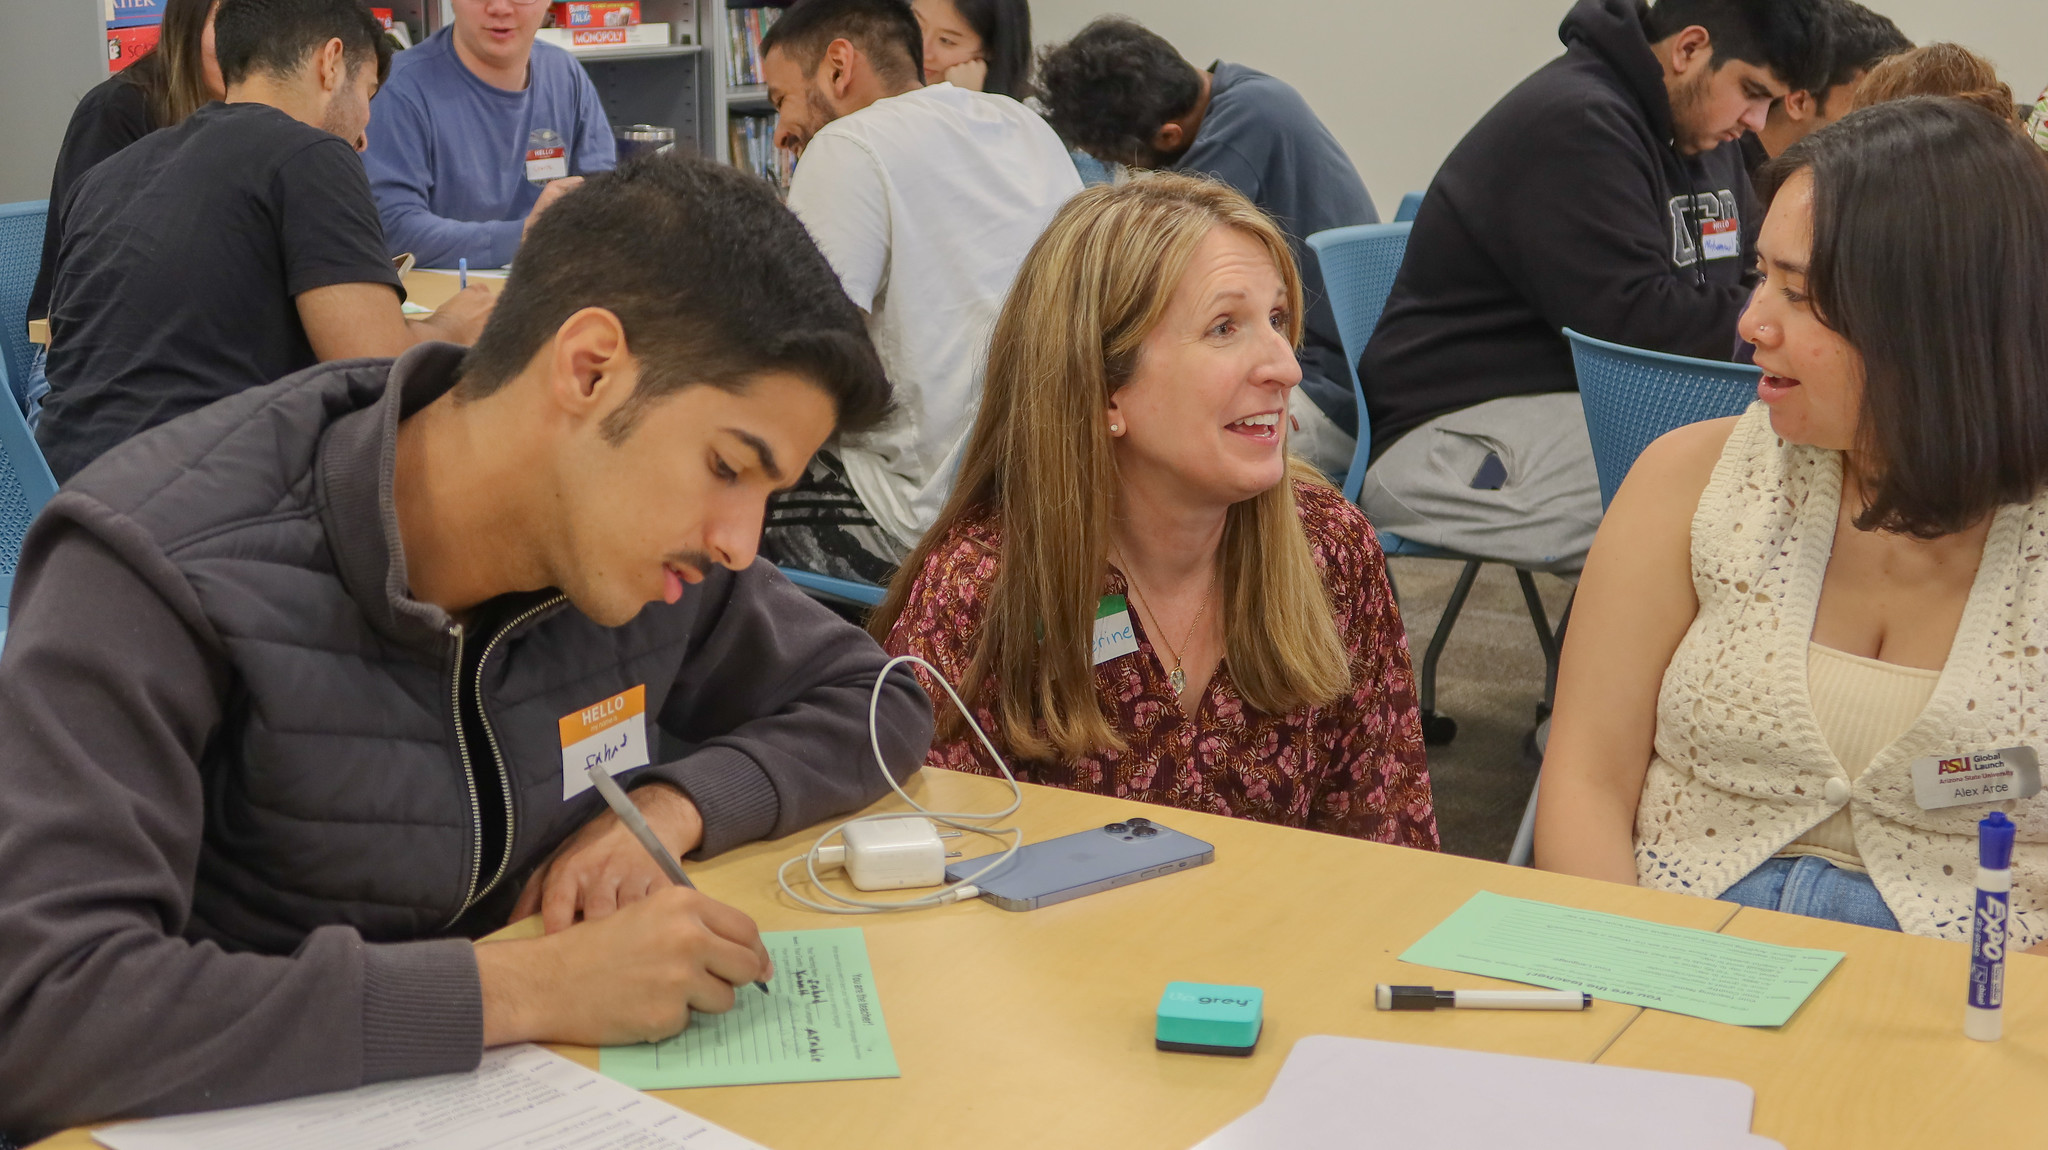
x: 1040, y: 456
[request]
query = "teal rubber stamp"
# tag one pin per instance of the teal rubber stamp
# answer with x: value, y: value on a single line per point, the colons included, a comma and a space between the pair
x: 1201, y: 1018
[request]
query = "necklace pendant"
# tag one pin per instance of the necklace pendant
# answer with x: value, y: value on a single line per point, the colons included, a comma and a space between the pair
x: 1179, y: 679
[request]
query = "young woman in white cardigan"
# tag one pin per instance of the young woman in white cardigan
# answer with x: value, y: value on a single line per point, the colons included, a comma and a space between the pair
x: 1783, y: 611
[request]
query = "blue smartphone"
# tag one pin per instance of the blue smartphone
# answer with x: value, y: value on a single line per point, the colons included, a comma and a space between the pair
x: 1056, y: 870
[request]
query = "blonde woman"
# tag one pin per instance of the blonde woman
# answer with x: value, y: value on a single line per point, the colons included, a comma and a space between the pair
x: 1130, y: 461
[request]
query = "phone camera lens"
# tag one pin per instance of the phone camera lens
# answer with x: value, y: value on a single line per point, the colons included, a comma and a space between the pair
x: 1145, y: 832
x: 1140, y: 822
x: 1116, y: 828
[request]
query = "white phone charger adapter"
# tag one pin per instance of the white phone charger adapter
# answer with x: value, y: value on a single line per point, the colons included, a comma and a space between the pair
x: 889, y: 854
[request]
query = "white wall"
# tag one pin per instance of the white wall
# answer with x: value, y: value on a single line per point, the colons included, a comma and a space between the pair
x: 1400, y: 81
x: 53, y: 52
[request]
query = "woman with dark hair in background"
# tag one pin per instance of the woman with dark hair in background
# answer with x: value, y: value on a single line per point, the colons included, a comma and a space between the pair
x: 984, y: 45
x: 168, y: 84
x: 1785, y: 612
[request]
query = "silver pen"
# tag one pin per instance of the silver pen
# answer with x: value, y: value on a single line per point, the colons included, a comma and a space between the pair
x: 630, y: 815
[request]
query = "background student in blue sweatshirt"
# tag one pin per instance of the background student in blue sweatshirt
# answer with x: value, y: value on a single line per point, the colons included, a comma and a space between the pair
x: 478, y: 130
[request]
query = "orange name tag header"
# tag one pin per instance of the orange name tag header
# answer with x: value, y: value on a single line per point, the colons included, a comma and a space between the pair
x: 598, y: 718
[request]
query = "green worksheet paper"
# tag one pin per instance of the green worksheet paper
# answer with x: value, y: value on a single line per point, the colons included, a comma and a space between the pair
x: 1696, y: 972
x: 821, y: 1019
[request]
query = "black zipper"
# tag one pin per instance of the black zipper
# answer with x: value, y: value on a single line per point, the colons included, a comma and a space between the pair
x: 474, y: 895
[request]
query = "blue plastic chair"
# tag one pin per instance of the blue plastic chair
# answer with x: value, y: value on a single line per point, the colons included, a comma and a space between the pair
x: 1410, y: 203
x: 1359, y: 264
x: 25, y: 485
x: 1632, y: 396
x: 21, y: 256
x: 830, y: 589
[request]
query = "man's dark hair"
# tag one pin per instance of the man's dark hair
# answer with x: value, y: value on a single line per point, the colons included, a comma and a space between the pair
x: 714, y: 281
x: 885, y: 31
x: 276, y: 36
x: 1005, y: 30
x: 1111, y: 88
x: 1788, y: 37
x: 1857, y: 39
x: 1930, y: 257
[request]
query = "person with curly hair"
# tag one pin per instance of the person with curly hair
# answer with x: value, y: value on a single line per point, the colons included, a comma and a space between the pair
x: 1119, y: 92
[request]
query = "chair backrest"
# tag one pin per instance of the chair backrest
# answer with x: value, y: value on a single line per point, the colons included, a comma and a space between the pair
x: 1632, y: 396
x: 1359, y: 264
x: 21, y: 256
x: 832, y: 587
x: 1409, y: 204
x: 25, y: 485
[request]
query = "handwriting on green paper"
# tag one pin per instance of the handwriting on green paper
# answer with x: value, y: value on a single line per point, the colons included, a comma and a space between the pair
x: 1674, y: 968
x: 820, y: 1020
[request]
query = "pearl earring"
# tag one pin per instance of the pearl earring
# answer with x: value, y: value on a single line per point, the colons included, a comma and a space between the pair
x: 1114, y: 428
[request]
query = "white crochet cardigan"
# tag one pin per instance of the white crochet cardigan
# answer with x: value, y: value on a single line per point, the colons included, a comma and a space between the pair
x: 1741, y: 768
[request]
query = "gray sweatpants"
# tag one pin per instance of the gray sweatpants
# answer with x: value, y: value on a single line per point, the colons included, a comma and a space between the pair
x: 1548, y: 504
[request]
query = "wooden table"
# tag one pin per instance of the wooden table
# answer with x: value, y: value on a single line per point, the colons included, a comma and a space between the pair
x: 1877, y: 1056
x: 427, y: 287
x: 1035, y: 1029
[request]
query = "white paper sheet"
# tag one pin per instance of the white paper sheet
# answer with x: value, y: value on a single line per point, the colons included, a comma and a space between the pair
x: 1338, y: 1093
x: 520, y: 1098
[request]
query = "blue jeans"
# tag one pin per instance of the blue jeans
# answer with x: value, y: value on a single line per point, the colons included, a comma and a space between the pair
x: 1815, y: 888
x: 37, y: 387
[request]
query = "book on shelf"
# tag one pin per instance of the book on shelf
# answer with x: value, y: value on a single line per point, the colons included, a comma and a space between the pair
x: 752, y: 135
x: 744, y: 28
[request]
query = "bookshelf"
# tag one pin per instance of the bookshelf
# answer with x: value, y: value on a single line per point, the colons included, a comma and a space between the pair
x: 736, y: 99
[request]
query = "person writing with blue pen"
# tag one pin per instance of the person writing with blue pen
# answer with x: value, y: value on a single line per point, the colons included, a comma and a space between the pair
x: 479, y: 131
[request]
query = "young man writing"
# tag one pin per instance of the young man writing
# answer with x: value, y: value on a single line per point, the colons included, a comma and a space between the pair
x: 479, y: 130
x: 1606, y: 194
x: 926, y: 201
x: 235, y: 248
x: 282, y: 699
x: 1858, y: 39
x: 1121, y: 93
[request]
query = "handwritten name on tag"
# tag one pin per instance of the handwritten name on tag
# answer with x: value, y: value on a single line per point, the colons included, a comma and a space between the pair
x: 612, y: 734
x: 1114, y: 635
x: 1983, y: 777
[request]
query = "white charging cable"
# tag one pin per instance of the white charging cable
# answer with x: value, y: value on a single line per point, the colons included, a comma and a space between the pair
x: 952, y: 892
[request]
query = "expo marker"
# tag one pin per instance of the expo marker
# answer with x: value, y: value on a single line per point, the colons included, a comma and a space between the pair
x: 1990, y: 928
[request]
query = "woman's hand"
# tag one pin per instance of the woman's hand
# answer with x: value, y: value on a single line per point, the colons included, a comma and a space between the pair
x: 970, y: 75
x: 1633, y: 606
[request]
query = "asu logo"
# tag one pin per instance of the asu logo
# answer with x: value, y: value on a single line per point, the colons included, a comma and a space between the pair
x: 1952, y: 766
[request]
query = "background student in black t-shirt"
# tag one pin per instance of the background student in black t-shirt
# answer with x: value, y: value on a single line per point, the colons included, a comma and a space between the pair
x: 169, y: 83
x: 235, y: 248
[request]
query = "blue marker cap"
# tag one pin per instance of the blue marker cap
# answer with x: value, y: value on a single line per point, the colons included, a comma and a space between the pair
x: 1994, y: 841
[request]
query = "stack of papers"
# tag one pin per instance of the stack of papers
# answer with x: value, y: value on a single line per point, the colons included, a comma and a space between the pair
x: 521, y: 1096
x: 1336, y: 1093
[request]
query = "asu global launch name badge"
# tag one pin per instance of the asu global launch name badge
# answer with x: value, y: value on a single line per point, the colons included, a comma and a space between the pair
x: 611, y: 734
x: 1983, y: 777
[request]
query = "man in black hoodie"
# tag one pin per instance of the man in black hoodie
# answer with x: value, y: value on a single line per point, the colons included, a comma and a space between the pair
x: 1607, y: 194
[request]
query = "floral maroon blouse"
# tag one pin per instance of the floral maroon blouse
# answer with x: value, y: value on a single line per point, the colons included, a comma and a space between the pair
x: 1352, y: 768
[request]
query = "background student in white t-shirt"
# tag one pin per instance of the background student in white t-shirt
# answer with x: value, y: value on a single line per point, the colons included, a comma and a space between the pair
x: 925, y: 200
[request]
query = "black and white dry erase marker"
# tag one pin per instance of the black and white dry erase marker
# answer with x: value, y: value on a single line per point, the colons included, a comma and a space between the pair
x: 1430, y: 998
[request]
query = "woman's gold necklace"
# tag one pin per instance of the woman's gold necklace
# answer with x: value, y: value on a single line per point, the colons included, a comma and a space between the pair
x: 1178, y: 676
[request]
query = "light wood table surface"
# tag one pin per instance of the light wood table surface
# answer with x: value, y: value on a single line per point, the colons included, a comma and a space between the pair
x: 1877, y: 1057
x: 1034, y: 1029
x: 427, y: 287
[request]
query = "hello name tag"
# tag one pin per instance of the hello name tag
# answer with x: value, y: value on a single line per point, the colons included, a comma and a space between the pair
x: 612, y: 734
x: 1721, y: 239
x: 1114, y: 635
x: 1984, y: 777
